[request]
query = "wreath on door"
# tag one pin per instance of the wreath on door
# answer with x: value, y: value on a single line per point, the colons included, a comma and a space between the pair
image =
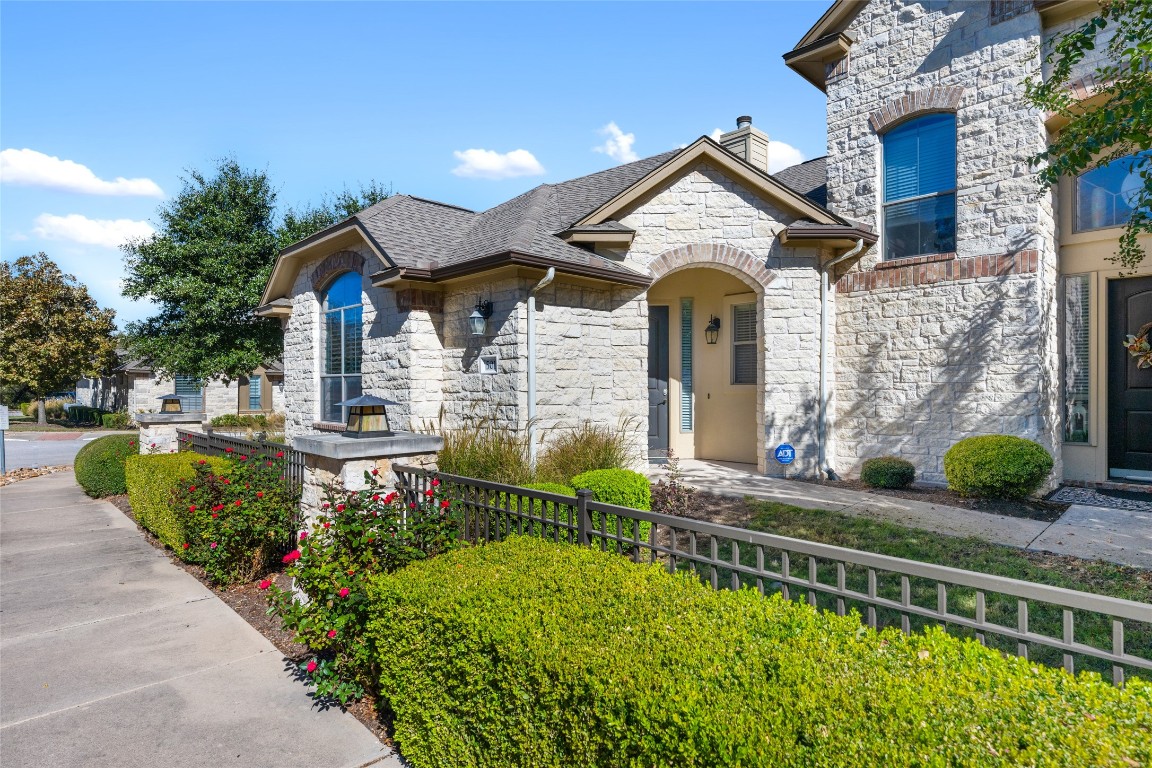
x: 1140, y: 347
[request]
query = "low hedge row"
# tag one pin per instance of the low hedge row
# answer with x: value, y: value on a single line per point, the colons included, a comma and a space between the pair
x: 99, y: 465
x: 535, y: 654
x: 621, y: 487
x: 152, y: 481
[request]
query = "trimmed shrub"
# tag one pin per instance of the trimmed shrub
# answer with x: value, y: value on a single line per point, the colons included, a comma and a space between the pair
x: 118, y: 420
x: 621, y: 487
x: 99, y: 465
x: 536, y: 654
x: 999, y: 466
x: 486, y: 452
x: 152, y: 481
x: 887, y: 472
x: 585, y: 448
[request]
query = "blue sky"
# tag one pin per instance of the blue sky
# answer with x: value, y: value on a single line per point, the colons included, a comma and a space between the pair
x: 104, y: 105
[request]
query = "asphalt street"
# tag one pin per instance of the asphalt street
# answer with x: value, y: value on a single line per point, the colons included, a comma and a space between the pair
x: 25, y: 450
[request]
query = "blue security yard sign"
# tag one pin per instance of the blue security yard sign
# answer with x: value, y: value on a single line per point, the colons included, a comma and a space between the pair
x: 785, y: 454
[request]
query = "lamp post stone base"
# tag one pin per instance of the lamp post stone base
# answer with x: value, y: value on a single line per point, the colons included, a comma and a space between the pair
x: 158, y: 430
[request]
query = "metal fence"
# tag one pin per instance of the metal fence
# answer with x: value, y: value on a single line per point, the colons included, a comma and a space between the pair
x: 1050, y: 625
x: 219, y: 445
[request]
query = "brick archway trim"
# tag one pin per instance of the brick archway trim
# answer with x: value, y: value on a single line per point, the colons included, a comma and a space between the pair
x: 336, y: 263
x: 938, y: 98
x: 728, y: 258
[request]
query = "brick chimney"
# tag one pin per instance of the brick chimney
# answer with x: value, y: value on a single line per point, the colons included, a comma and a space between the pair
x: 748, y: 143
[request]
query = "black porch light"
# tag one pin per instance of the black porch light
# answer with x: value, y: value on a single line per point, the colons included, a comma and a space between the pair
x: 478, y: 320
x: 712, y: 330
x: 367, y: 416
x: 170, y: 404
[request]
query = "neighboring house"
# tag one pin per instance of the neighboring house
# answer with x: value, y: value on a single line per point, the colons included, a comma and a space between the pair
x: 134, y: 386
x: 906, y: 291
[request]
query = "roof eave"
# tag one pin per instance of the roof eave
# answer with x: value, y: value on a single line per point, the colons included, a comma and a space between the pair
x: 811, y: 61
x: 505, y: 259
x: 284, y: 273
x: 828, y: 234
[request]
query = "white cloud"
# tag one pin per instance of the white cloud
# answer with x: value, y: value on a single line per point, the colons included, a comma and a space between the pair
x: 35, y: 169
x: 618, y: 145
x: 489, y: 164
x: 110, y: 233
x: 780, y: 154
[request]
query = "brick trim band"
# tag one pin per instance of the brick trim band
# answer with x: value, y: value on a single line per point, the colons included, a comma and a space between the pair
x: 341, y: 261
x: 726, y: 258
x: 938, y: 98
x: 929, y: 272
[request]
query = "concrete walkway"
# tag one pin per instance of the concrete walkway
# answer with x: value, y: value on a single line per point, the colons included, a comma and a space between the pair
x: 1096, y: 533
x: 110, y: 655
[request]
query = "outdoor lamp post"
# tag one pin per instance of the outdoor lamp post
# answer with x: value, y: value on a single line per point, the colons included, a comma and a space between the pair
x: 712, y: 330
x: 478, y: 320
x: 170, y: 404
x: 367, y: 416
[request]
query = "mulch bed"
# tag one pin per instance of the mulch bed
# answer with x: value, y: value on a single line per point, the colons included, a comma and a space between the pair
x: 17, y: 475
x: 249, y: 602
x: 1033, y: 509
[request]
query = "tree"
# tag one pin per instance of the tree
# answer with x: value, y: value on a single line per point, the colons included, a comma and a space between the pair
x: 300, y: 223
x: 206, y: 268
x: 52, y: 332
x: 1117, y: 121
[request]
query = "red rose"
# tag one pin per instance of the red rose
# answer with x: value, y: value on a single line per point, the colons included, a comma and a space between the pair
x: 292, y: 556
x: 303, y: 535
x: 214, y: 515
x: 186, y: 545
x: 311, y: 666
x: 429, y: 493
x: 268, y: 464
x: 327, y: 525
x: 375, y: 497
x: 265, y: 584
x: 202, y: 461
x: 212, y: 545
x: 325, y: 505
x: 226, y: 481
x: 435, y: 482
x: 411, y: 506
x: 218, y: 507
x: 344, y: 592
x: 243, y: 458
x: 445, y: 504
x: 351, y: 573
x: 191, y: 507
x: 331, y: 634
x: 259, y: 494
x: 227, y: 450
x: 375, y: 472
x: 191, y: 488
x: 280, y: 454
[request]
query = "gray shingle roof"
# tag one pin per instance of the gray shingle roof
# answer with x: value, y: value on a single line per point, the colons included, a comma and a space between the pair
x: 809, y: 178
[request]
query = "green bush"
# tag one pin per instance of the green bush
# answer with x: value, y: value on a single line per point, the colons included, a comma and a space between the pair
x: 99, y: 465
x: 621, y: 487
x: 528, y: 653
x: 251, y: 421
x: 585, y: 448
x: 487, y: 452
x: 537, y: 509
x: 887, y: 472
x: 999, y: 466
x: 152, y: 481
x: 118, y: 420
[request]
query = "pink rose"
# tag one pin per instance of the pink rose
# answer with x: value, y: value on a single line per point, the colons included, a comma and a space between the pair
x: 344, y: 592
x: 331, y: 634
x: 292, y: 556
x: 311, y: 667
x: 265, y: 584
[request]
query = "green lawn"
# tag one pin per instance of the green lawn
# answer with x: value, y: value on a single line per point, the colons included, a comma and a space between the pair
x: 965, y: 553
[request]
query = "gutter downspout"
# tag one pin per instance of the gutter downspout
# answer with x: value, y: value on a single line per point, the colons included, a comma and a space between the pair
x: 532, y: 364
x: 825, y: 367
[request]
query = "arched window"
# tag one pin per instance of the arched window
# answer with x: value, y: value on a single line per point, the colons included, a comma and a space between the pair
x: 920, y: 187
x: 343, y: 345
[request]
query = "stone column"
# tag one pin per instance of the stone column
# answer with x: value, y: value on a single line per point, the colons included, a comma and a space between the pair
x: 159, y: 429
x: 336, y: 457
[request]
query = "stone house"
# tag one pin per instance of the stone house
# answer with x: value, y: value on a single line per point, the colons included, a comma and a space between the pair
x: 133, y: 386
x: 911, y: 288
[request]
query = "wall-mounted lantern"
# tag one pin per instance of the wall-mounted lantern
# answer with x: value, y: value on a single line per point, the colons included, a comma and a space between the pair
x: 478, y: 320
x: 170, y: 404
x: 367, y: 416
x: 712, y: 330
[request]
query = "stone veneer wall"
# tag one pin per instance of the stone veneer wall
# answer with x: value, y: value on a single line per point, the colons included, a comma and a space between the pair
x: 933, y: 350
x: 706, y: 208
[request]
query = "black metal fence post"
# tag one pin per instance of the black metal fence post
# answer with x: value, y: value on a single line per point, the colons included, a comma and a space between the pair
x: 583, y: 519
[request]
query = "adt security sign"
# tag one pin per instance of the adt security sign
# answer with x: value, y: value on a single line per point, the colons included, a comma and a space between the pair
x: 785, y: 454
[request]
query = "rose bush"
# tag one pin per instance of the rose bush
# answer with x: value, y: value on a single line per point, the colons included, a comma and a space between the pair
x: 237, y: 521
x: 357, y: 535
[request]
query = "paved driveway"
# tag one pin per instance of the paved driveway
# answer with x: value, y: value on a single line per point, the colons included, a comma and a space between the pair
x: 113, y: 656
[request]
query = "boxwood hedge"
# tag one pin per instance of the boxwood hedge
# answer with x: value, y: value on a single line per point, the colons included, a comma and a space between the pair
x: 151, y: 482
x: 529, y: 653
x: 1002, y: 466
x: 99, y: 465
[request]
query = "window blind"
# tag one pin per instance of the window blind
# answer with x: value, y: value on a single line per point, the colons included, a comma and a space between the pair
x: 686, y: 365
x: 744, y: 344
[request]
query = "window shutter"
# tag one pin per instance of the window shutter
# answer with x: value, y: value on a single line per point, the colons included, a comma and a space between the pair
x: 686, y: 365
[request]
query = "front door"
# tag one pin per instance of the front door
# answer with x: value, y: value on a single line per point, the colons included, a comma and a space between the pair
x: 657, y: 382
x: 1129, y: 387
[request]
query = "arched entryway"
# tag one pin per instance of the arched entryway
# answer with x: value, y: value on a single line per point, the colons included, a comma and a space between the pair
x: 713, y: 406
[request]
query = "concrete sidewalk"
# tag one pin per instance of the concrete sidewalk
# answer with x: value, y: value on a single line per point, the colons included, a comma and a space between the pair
x: 113, y: 656
x: 1095, y: 533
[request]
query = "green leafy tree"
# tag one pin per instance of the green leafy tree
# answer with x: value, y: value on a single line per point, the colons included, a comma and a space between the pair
x: 1117, y: 121
x: 205, y: 268
x: 52, y: 332
x: 299, y: 223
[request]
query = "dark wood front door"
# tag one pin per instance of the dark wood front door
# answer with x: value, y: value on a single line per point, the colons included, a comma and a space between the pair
x: 657, y: 382
x: 1129, y: 387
